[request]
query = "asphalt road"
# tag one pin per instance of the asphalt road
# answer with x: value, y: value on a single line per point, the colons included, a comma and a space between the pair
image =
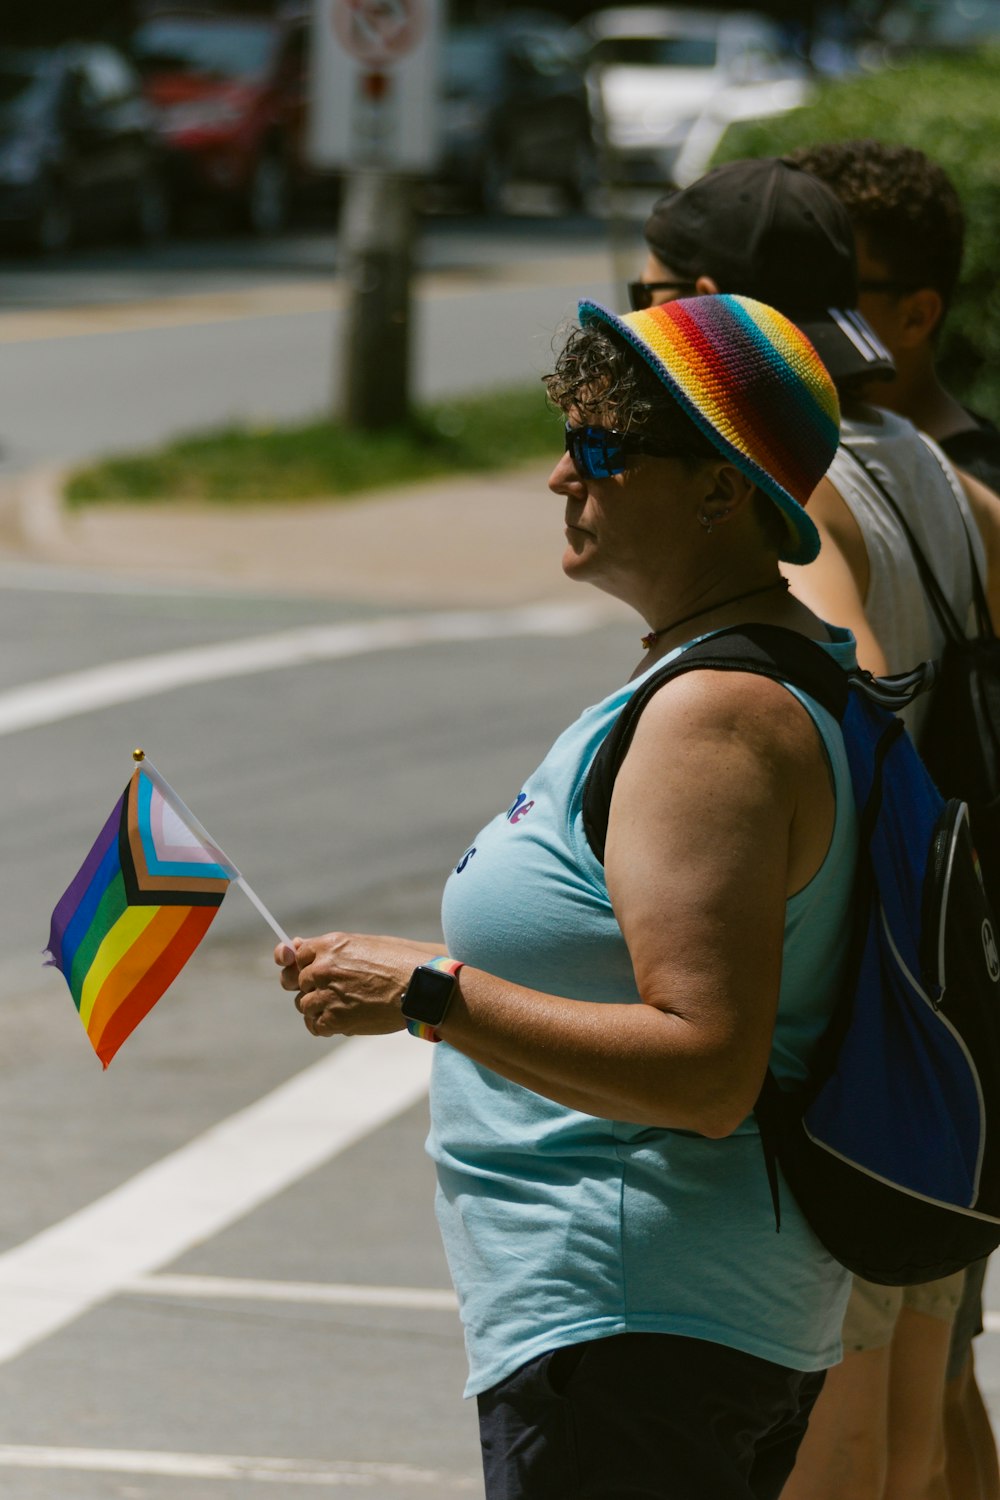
x: 122, y: 274
x: 210, y: 1285
x: 108, y: 350
x: 345, y: 791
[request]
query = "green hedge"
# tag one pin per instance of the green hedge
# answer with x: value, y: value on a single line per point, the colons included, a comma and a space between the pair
x: 948, y: 107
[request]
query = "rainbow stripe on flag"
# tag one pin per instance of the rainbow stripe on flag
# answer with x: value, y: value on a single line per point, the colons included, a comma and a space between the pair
x: 137, y: 909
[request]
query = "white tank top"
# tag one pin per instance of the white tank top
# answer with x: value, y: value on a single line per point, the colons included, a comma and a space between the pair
x: 923, y: 484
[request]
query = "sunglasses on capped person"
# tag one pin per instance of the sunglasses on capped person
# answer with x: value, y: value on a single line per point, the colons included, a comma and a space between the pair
x: 601, y: 452
x: 640, y: 293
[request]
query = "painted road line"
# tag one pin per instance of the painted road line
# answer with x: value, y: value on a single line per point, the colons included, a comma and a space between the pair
x: 314, y: 1293
x: 308, y: 297
x: 229, y: 1466
x: 29, y: 577
x: 58, y: 698
x: 187, y: 310
x: 199, y: 1190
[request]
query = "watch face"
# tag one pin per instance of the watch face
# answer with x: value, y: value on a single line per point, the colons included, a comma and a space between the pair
x: 427, y: 995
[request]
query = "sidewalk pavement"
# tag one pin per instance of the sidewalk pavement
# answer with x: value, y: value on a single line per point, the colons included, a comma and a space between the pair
x: 476, y: 540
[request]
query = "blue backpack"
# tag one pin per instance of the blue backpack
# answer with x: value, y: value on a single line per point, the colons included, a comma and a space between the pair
x: 891, y: 1147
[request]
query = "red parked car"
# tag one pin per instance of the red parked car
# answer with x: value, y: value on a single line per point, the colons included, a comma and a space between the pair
x: 229, y: 95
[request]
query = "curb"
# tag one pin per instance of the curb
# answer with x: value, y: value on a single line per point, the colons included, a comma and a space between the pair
x: 470, y: 541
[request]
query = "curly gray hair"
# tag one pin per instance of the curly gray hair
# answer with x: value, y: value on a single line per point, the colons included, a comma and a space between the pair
x: 608, y: 384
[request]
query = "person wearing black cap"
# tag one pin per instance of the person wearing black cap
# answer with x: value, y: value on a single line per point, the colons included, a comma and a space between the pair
x: 909, y: 231
x: 768, y: 229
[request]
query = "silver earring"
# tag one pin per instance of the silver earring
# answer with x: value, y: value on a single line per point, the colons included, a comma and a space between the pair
x: 709, y: 521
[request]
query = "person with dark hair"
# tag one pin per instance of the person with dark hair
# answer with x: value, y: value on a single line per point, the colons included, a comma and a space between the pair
x: 909, y: 232
x: 633, y: 1323
x: 768, y: 228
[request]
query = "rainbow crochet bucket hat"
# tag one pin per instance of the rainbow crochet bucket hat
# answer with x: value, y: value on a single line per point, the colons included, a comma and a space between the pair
x: 753, y: 384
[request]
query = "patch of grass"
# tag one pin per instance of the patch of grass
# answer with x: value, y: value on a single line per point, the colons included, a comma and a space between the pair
x: 477, y: 433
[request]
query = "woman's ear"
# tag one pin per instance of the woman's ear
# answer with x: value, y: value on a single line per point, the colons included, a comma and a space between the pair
x: 728, y: 491
x: 705, y: 286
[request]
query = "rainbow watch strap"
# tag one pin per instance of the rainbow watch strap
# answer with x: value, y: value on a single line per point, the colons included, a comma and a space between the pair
x: 421, y: 1029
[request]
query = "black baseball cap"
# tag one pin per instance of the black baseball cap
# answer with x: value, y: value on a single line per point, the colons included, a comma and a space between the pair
x: 769, y: 230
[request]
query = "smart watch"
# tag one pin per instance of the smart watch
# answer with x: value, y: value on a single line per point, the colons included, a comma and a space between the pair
x: 428, y: 996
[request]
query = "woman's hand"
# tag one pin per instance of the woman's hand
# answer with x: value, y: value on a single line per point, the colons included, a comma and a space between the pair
x: 349, y: 984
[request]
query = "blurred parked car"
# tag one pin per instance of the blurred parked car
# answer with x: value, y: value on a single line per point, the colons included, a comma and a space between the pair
x: 230, y: 94
x: 664, y: 84
x: 78, y: 153
x: 514, y: 109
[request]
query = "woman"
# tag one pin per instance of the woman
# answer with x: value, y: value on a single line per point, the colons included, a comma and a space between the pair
x: 634, y: 1325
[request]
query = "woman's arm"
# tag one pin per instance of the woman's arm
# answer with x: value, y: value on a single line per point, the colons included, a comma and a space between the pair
x: 721, y: 810
x: 835, y: 585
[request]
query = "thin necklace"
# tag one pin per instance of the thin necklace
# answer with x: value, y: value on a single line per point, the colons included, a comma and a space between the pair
x: 765, y: 588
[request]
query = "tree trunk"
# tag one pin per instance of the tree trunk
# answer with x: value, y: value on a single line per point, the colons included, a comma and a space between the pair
x: 376, y: 238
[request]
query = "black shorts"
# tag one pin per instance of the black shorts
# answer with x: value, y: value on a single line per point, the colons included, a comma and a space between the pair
x: 644, y: 1416
x: 968, y: 1323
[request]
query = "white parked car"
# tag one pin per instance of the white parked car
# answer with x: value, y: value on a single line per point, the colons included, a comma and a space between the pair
x: 664, y: 84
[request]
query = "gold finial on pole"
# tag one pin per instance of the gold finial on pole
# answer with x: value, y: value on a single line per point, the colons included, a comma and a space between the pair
x: 138, y: 753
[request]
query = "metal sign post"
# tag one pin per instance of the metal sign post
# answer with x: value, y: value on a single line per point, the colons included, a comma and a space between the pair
x: 374, y: 86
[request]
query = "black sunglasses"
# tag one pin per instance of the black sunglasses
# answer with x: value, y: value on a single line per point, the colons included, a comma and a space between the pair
x: 601, y: 452
x: 640, y: 293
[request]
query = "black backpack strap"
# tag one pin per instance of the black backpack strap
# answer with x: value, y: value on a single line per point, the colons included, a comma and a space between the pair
x: 951, y: 626
x: 785, y: 656
x: 775, y: 1111
x: 769, y: 1112
x: 766, y: 650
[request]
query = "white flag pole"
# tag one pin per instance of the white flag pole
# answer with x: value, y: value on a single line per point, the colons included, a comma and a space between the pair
x: 188, y: 818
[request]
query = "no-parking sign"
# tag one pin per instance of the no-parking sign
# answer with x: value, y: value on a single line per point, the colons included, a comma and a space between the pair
x: 374, y: 84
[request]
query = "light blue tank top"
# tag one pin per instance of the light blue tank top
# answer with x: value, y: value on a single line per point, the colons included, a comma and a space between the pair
x: 560, y: 1227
